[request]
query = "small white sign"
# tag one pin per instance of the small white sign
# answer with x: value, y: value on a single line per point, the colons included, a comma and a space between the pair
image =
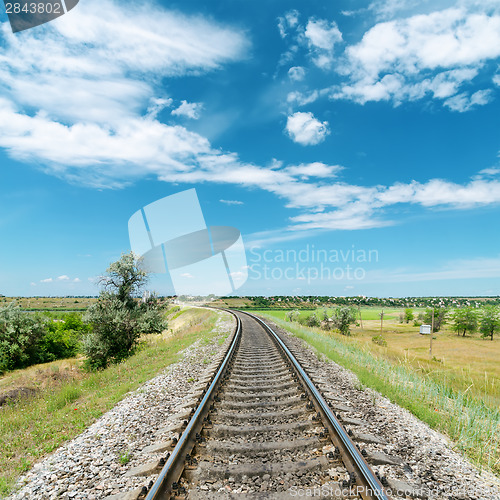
x: 425, y: 329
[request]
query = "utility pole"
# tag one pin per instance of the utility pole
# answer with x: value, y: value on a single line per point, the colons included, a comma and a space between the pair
x: 381, y: 320
x: 432, y: 334
x: 360, y: 318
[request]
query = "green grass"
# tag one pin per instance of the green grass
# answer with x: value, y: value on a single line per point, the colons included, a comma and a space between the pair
x: 125, y: 458
x: 62, y: 398
x: 30, y: 429
x: 367, y: 313
x: 469, y: 422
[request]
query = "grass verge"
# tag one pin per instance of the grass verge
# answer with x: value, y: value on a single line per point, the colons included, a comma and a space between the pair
x: 34, y: 427
x: 471, y: 424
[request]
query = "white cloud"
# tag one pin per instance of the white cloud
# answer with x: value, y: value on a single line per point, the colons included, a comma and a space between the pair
x: 302, y: 99
x: 47, y: 280
x: 102, y: 55
x: 357, y: 207
x: 76, y: 93
x: 321, y: 37
x: 32, y: 283
x: 316, y: 169
x: 297, y: 73
x: 232, y: 202
x: 189, y: 110
x: 436, y: 53
x: 187, y: 275
x: 490, y: 171
x: 157, y: 105
x: 288, y: 21
x: 63, y: 278
x: 463, y: 102
x: 305, y: 129
x: 115, y: 136
x: 387, y: 9
x: 77, y: 280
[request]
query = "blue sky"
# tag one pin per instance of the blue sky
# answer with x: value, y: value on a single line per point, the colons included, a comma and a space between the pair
x: 343, y: 126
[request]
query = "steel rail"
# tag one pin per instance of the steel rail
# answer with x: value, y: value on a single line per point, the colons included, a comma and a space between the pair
x: 172, y: 470
x: 372, y: 488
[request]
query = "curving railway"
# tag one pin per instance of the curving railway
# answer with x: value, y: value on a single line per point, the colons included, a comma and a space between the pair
x: 262, y: 427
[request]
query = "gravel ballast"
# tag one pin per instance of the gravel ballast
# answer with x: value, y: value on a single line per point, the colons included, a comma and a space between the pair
x: 91, y: 466
x: 430, y: 463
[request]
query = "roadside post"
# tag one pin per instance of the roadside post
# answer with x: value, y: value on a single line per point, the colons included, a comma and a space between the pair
x: 432, y: 334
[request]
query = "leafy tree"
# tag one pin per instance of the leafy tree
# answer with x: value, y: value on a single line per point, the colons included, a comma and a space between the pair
x: 490, y: 321
x: 125, y: 279
x: 324, y: 314
x: 292, y: 315
x: 343, y: 318
x: 313, y: 320
x: 151, y: 318
x: 440, y: 314
x: 118, y: 319
x: 408, y: 315
x: 465, y: 320
x: 21, y: 335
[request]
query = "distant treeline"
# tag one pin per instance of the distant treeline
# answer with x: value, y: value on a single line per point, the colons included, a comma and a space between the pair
x: 314, y: 301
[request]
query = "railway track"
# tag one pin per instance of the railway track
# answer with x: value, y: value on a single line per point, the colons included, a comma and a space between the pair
x: 262, y: 429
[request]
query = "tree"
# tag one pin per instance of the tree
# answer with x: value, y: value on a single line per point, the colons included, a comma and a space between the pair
x: 118, y: 319
x: 125, y: 279
x: 343, y: 318
x: 21, y: 335
x: 292, y: 315
x: 465, y: 319
x: 408, y: 315
x: 313, y: 320
x: 440, y: 314
x: 490, y: 321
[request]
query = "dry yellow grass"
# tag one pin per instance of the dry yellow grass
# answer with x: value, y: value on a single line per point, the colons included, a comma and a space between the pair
x: 49, y: 303
x: 469, y: 363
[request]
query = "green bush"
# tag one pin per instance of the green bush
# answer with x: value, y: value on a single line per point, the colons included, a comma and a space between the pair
x: 311, y: 320
x: 21, y: 335
x: 27, y: 339
x: 379, y: 340
x: 116, y: 329
x: 63, y: 336
x: 151, y: 318
x: 118, y: 319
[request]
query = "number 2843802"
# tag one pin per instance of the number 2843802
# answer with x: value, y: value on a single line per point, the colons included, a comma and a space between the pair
x: 34, y: 8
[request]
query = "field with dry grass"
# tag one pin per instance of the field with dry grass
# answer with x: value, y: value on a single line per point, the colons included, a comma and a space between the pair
x: 50, y: 303
x: 465, y: 363
x: 456, y: 390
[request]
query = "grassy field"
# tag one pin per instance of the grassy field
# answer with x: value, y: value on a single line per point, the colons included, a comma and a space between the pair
x: 456, y: 391
x: 49, y: 303
x: 66, y: 399
x: 367, y: 313
x: 465, y: 364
